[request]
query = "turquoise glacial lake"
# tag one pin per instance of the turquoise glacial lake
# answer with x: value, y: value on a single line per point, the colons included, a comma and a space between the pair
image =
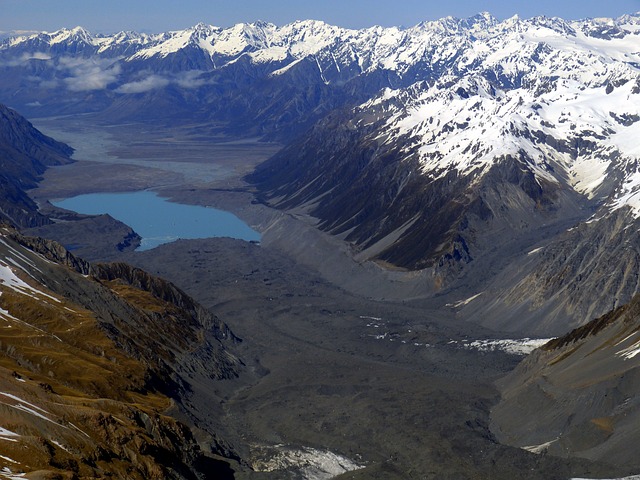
x: 158, y: 220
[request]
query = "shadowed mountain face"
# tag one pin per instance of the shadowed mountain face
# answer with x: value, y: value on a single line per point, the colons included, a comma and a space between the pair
x: 578, y: 393
x: 24, y: 155
x: 370, y: 192
x: 92, y: 361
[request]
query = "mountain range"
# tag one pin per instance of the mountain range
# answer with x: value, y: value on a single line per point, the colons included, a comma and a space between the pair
x: 496, y: 160
x: 271, y: 81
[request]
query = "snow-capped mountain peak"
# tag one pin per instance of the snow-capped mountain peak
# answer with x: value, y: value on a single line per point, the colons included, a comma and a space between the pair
x: 74, y: 34
x: 585, y: 132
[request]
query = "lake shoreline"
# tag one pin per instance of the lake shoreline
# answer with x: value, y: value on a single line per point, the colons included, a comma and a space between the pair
x: 157, y: 219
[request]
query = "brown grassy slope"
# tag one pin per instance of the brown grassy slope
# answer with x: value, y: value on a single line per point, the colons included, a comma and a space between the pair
x: 76, y: 398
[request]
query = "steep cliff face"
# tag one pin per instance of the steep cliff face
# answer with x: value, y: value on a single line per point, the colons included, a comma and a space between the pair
x: 92, y: 360
x: 175, y: 332
x: 578, y: 393
x: 24, y: 155
x: 20, y: 141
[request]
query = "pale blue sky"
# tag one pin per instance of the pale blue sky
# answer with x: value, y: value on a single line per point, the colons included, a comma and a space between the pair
x: 107, y: 16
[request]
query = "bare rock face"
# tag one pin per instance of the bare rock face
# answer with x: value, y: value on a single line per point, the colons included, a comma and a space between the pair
x: 53, y: 251
x: 578, y: 274
x: 592, y: 269
x: 577, y: 395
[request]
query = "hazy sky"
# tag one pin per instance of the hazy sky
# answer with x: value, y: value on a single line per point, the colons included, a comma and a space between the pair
x: 108, y: 16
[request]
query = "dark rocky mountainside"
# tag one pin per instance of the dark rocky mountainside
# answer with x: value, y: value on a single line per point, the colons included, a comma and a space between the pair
x: 24, y: 155
x: 578, y: 393
x: 368, y: 190
x: 582, y: 273
x: 94, y: 360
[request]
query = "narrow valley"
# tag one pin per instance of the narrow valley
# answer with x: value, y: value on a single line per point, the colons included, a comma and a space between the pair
x: 391, y: 387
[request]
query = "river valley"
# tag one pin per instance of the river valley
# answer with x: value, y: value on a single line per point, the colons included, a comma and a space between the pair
x: 341, y: 358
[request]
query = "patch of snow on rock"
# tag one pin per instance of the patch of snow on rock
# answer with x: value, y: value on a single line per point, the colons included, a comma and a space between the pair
x: 309, y: 463
x: 631, y: 351
x: 8, y: 435
x: 522, y: 346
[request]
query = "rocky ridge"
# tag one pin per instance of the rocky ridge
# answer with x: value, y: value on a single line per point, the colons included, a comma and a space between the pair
x: 94, y: 359
x: 261, y: 79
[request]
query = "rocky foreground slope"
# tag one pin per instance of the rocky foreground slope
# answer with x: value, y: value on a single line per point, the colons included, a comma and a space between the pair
x: 578, y: 395
x: 94, y: 362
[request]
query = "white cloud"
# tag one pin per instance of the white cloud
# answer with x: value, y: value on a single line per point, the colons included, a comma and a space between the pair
x: 88, y: 75
x: 190, y: 79
x: 50, y: 84
x: 37, y: 56
x: 91, y: 77
x: 151, y: 82
x: 17, y: 62
x: 72, y: 63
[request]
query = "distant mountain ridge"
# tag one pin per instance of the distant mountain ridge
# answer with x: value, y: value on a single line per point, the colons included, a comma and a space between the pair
x: 271, y: 80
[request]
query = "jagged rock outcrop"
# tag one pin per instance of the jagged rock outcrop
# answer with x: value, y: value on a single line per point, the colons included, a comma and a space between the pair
x: 53, y: 251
